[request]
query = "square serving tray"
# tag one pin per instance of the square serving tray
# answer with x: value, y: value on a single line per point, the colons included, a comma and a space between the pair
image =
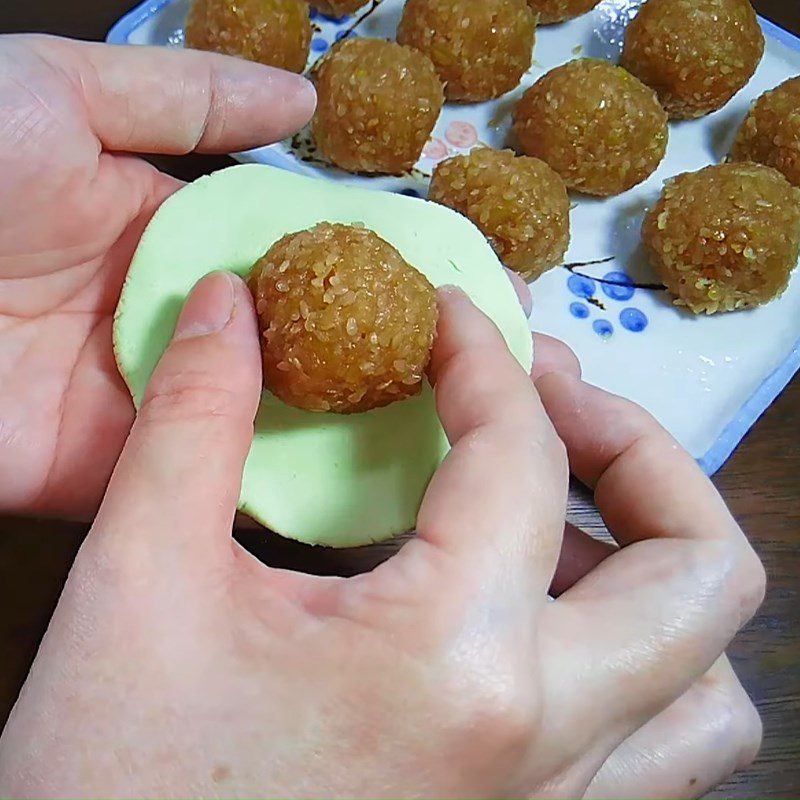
x: 706, y: 379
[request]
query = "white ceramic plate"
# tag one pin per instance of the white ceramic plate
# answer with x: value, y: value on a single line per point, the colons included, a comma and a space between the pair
x: 707, y: 379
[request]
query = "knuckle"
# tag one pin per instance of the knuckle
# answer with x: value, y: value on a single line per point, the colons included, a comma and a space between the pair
x: 188, y: 396
x: 735, y: 719
x: 749, y: 729
x: 751, y: 583
x: 508, y: 720
x: 472, y: 367
x: 638, y: 422
x: 212, y: 112
x: 733, y: 575
x: 504, y: 709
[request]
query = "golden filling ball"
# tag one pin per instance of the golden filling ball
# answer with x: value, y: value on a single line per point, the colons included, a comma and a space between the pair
x: 518, y: 203
x: 273, y: 32
x: 770, y: 133
x: 560, y: 10
x: 696, y: 54
x: 602, y: 130
x: 725, y: 237
x: 377, y: 104
x: 346, y: 324
x: 481, y: 49
x: 337, y: 8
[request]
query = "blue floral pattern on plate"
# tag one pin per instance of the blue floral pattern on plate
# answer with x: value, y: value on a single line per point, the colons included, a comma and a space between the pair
x: 617, y: 287
x: 319, y: 44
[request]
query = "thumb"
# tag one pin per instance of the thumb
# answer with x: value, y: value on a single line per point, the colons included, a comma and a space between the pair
x: 180, y: 472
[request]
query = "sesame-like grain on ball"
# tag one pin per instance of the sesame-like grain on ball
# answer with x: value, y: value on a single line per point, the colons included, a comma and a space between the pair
x: 602, y: 130
x: 770, y: 134
x: 377, y: 103
x: 696, y: 54
x: 273, y: 32
x: 481, y: 50
x: 519, y: 203
x: 348, y: 326
x: 725, y: 237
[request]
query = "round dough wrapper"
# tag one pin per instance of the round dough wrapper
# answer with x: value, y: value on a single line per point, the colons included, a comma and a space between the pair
x: 327, y: 479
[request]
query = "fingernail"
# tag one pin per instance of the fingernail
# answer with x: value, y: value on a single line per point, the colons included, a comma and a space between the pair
x: 298, y: 90
x: 522, y: 289
x: 452, y: 292
x: 208, y: 309
x: 307, y: 92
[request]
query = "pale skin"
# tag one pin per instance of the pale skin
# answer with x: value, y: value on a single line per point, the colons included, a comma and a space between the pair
x: 177, y: 665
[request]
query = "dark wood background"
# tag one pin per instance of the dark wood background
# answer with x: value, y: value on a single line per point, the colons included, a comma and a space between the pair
x: 761, y: 483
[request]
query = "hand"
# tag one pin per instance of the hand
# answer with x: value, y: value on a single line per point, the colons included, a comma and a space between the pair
x: 178, y: 665
x: 73, y: 207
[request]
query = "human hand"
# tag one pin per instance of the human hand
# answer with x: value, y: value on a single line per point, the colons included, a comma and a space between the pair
x: 178, y: 665
x: 73, y: 207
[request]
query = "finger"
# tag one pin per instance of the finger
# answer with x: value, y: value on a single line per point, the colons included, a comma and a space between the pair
x: 555, y: 356
x: 159, y: 100
x: 696, y: 744
x: 624, y: 454
x: 669, y: 602
x: 522, y: 290
x: 180, y: 472
x: 552, y: 355
x: 500, y: 495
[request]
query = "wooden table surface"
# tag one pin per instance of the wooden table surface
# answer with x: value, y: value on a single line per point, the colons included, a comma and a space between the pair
x: 761, y: 483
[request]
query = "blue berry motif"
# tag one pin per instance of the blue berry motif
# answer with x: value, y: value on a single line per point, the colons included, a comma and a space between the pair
x: 344, y: 34
x: 633, y: 320
x: 319, y: 45
x: 579, y: 310
x: 409, y: 192
x: 618, y: 286
x: 581, y: 286
x: 602, y: 327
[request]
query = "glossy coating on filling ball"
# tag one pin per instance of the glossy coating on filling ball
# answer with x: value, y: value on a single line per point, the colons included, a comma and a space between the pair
x: 273, y: 32
x: 551, y: 11
x: 377, y: 103
x: 696, y: 54
x: 770, y: 134
x: 337, y: 8
x: 347, y: 325
x: 481, y: 50
x: 518, y: 203
x: 726, y: 237
x: 596, y: 125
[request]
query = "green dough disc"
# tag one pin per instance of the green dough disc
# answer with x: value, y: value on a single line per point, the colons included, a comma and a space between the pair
x: 337, y: 480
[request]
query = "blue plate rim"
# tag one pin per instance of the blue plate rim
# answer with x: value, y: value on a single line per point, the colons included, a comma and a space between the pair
x: 762, y: 398
x: 123, y: 28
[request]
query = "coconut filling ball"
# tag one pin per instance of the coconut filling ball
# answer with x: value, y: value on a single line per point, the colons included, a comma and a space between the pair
x: 726, y: 237
x: 519, y: 204
x: 273, y: 32
x: 602, y: 130
x: 377, y: 104
x: 696, y: 54
x: 481, y: 50
x: 770, y: 134
x: 347, y: 325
